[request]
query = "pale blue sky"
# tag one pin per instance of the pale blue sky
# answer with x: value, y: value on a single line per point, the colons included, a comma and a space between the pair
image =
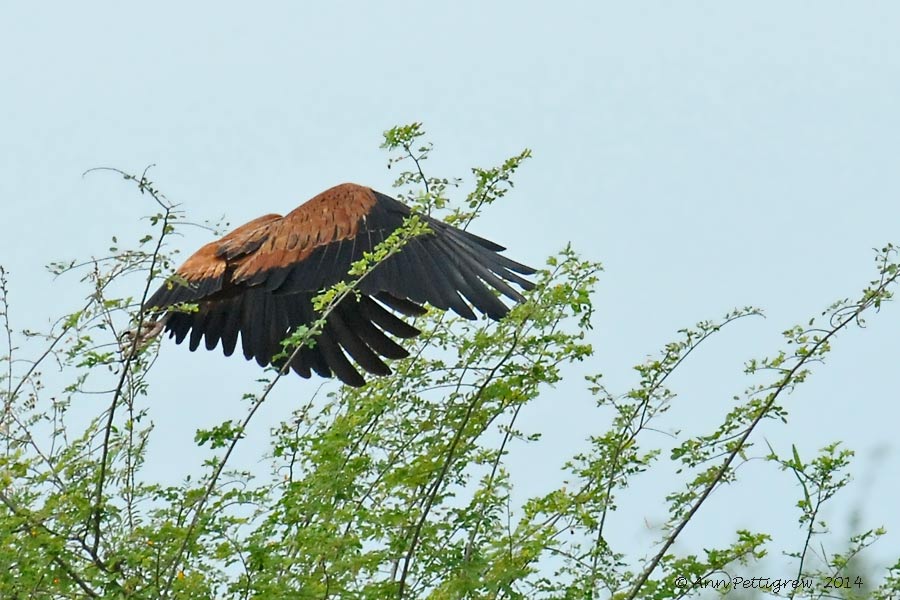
x: 710, y: 154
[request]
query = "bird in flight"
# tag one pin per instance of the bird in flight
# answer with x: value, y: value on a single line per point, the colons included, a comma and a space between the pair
x: 259, y: 281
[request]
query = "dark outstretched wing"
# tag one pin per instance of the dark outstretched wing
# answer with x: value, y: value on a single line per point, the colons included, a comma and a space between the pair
x: 259, y: 280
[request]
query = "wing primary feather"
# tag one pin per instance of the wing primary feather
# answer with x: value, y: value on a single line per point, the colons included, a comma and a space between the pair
x: 219, y: 313
x: 414, y: 277
x: 476, y: 291
x: 343, y: 258
x: 372, y: 311
x: 198, y: 326
x: 369, y: 333
x: 385, y: 274
x: 469, y: 263
x: 178, y: 326
x: 300, y: 312
x: 259, y: 327
x: 471, y: 238
x: 231, y: 326
x: 277, y: 326
x: 445, y: 263
x: 317, y: 360
x: 499, y: 264
x: 247, y: 315
x: 401, y: 305
x: 300, y: 366
x: 358, y: 351
x: 336, y: 360
x: 440, y: 289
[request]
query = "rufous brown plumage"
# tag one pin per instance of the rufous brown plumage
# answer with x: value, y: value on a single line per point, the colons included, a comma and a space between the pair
x: 258, y: 283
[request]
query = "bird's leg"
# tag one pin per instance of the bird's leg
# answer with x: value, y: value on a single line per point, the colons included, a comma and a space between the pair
x: 148, y: 330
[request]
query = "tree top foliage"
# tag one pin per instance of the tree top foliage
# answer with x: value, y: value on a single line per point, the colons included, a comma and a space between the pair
x: 399, y: 489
